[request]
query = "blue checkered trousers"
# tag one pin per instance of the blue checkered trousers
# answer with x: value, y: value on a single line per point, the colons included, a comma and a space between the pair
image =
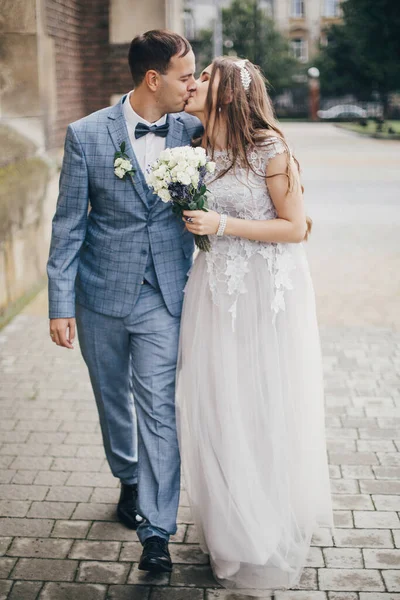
x: 109, y: 235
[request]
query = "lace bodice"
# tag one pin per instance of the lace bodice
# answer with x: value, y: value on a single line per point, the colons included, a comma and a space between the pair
x: 243, y: 194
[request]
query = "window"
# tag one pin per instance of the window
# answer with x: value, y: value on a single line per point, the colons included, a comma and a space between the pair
x: 299, y: 49
x: 297, y: 8
x: 332, y: 8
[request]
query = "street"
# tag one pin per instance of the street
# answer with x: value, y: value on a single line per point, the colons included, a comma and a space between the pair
x: 59, y: 538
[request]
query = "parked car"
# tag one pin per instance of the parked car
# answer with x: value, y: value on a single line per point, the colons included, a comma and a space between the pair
x: 343, y: 111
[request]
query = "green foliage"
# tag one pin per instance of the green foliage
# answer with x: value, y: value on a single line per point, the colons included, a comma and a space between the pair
x: 363, y: 55
x: 253, y: 36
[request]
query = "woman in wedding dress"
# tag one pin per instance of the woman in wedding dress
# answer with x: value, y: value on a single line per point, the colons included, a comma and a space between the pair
x: 249, y: 381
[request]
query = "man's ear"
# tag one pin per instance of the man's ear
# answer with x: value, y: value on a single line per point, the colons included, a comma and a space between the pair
x: 152, y: 79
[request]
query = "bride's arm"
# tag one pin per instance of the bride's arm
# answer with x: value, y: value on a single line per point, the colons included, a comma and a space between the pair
x: 290, y: 226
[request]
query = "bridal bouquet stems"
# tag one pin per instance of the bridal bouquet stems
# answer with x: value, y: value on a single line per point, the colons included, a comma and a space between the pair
x: 178, y: 176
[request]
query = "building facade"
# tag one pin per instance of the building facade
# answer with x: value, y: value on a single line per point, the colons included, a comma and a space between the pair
x: 304, y: 22
x: 59, y: 61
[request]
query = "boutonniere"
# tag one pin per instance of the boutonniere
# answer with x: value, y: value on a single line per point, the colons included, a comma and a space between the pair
x: 122, y: 163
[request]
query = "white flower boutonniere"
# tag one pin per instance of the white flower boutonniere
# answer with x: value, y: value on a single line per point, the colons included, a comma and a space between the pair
x: 122, y: 163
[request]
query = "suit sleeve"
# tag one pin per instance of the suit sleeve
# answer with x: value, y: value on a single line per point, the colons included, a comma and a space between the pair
x: 69, y: 229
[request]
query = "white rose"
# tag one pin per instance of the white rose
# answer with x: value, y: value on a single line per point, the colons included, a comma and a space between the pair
x: 165, y: 155
x: 164, y: 195
x: 119, y: 172
x: 160, y: 172
x: 184, y: 178
x: 195, y: 180
x: 127, y: 165
x: 210, y: 166
x: 118, y: 162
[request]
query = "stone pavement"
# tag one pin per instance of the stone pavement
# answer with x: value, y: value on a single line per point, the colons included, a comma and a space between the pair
x: 59, y: 538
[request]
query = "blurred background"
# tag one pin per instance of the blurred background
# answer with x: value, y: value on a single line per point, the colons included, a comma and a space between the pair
x: 329, y: 63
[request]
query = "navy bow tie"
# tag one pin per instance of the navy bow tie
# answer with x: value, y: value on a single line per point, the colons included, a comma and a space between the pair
x: 143, y: 129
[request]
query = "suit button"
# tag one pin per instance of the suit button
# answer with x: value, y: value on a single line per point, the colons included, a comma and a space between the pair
x: 143, y: 252
x: 149, y: 223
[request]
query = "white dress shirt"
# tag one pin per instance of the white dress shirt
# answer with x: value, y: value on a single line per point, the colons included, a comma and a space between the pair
x: 147, y: 148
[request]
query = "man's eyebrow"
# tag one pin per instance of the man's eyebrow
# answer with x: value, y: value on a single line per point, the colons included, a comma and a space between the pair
x: 187, y: 75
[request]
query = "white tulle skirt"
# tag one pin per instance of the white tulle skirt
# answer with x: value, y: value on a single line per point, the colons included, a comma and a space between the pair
x: 250, y: 420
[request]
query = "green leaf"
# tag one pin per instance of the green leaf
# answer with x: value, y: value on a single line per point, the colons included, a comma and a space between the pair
x: 122, y: 147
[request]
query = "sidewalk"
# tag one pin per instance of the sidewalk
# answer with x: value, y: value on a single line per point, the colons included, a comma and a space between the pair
x: 59, y: 537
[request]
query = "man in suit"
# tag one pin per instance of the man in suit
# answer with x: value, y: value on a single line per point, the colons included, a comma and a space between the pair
x: 118, y: 265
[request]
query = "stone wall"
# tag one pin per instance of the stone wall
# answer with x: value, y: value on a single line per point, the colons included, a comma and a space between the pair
x: 59, y: 61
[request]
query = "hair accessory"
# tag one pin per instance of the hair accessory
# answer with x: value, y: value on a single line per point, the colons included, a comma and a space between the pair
x: 244, y: 74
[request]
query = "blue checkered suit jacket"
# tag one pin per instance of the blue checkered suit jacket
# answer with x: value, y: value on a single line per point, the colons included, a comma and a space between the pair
x: 98, y: 258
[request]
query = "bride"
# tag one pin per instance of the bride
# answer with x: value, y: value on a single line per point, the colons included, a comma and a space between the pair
x: 249, y: 382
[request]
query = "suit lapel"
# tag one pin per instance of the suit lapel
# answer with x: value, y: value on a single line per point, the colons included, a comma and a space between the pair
x: 119, y: 133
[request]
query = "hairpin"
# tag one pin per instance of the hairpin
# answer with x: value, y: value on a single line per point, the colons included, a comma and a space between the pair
x: 244, y: 74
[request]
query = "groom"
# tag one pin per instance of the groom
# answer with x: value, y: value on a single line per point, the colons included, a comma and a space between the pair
x: 118, y: 264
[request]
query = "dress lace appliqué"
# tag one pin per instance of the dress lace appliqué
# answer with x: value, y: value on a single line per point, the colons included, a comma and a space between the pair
x: 243, y: 194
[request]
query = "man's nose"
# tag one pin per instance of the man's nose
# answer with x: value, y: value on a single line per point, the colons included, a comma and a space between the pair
x: 192, y: 87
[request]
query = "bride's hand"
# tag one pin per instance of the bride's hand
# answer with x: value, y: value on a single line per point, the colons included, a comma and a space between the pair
x: 202, y: 223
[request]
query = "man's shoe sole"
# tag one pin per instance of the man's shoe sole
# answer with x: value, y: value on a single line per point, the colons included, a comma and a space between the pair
x: 154, y: 567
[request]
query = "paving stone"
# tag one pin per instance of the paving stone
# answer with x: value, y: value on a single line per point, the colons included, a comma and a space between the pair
x: 128, y: 592
x: 297, y: 595
x: 6, y: 475
x: 70, y: 529
x: 39, y: 548
x: 315, y: 557
x: 24, y: 425
x: 350, y: 580
x: 69, y: 494
x: 392, y: 580
x: 344, y: 486
x: 92, y: 479
x: 25, y: 590
x: 343, y: 518
x: 62, y: 451
x: 363, y: 538
x: 308, y: 580
x: 386, y: 459
x: 73, y: 591
x: 382, y: 559
x: 396, y: 536
x: 24, y: 449
x: 4, y: 544
x: 342, y: 596
x: 180, y: 534
x: 94, y: 511
x: 353, y: 458
x: 144, y: 578
x: 6, y: 565
x: 94, y: 550
x: 14, y: 508
x: 51, y: 478
x: 103, y: 572
x: 25, y: 527
x: 105, y: 495
x: 25, y: 463
x: 52, y: 510
x: 386, y: 502
x: 22, y: 492
x: 387, y: 472
x: 131, y: 551
x: 343, y: 558
x: 111, y: 531
x: 375, y: 596
x: 5, y: 587
x: 177, y: 594
x: 352, y: 502
x: 380, y: 487
x: 24, y: 477
x: 191, y: 535
x: 376, y: 520
x: 375, y: 446
x: 334, y: 472
x: 193, y: 576
x: 45, y: 569
x: 322, y: 537
x: 57, y: 437
x: 82, y: 439
x: 88, y: 465
x: 357, y: 472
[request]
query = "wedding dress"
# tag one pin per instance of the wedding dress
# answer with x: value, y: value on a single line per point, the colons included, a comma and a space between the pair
x: 250, y: 411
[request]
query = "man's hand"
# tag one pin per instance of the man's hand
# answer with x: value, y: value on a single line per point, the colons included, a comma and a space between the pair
x: 62, y: 332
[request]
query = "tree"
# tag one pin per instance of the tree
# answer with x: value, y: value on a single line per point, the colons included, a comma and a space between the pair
x: 363, y: 54
x: 249, y: 33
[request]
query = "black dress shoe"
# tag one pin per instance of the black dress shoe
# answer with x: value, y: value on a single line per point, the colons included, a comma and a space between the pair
x: 126, y: 509
x: 155, y: 557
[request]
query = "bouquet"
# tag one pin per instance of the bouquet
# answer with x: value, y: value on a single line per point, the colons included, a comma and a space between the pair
x: 178, y: 176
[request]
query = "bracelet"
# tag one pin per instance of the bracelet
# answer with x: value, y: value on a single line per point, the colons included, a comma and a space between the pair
x: 222, y: 224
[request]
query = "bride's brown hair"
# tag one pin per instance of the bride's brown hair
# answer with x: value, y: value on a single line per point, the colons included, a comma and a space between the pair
x: 249, y: 115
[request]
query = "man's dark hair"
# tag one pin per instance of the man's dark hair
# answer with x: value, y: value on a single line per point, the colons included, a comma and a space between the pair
x: 154, y: 50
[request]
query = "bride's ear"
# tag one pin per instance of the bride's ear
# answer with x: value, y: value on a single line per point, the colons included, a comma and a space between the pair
x: 228, y: 97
